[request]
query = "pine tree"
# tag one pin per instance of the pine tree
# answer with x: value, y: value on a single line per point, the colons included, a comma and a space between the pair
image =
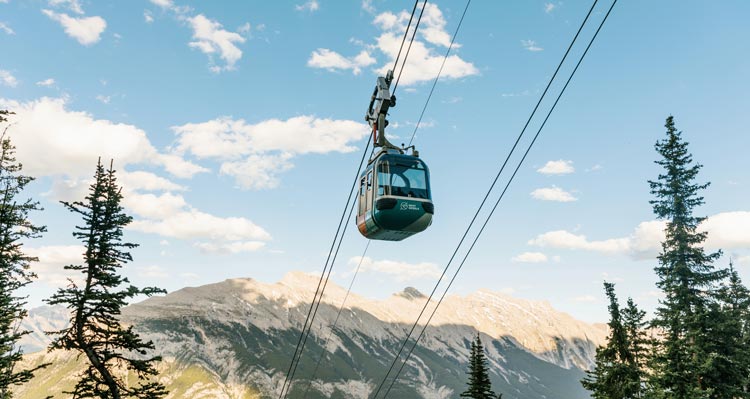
x: 686, y: 275
x: 15, y: 227
x: 480, y: 386
x: 635, y: 324
x: 730, y: 356
x: 94, y: 329
x: 616, y: 374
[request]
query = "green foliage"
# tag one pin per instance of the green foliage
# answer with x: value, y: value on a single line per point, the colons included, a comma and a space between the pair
x: 479, y: 385
x: 619, y: 369
x: 15, y: 227
x: 96, y: 300
x: 682, y: 362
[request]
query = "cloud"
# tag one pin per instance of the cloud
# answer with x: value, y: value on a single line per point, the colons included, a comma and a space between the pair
x: 368, y: 7
x: 255, y: 154
x: 585, y: 298
x: 559, y: 167
x: 230, y: 248
x: 163, y: 3
x: 310, y: 6
x: 553, y: 194
x: 425, y: 57
x: 7, y: 78
x: 151, y: 271
x: 49, y: 82
x: 52, y: 259
x: 530, y: 257
x: 727, y: 230
x: 5, y: 28
x: 331, y: 60
x: 103, y: 99
x: 55, y: 141
x: 400, y: 271
x: 86, y: 30
x: 258, y: 171
x: 211, y: 38
x: 530, y: 45
x: 549, y: 7
x: 147, y: 17
x: 194, y: 224
x: 72, y: 5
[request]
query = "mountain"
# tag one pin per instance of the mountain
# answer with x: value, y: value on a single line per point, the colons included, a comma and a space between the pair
x: 234, y: 339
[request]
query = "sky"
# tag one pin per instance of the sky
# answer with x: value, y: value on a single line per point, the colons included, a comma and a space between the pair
x: 236, y: 129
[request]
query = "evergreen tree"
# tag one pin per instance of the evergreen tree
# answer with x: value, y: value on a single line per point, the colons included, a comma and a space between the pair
x: 686, y: 275
x: 635, y: 324
x: 616, y: 374
x: 730, y: 356
x: 15, y: 227
x: 479, y: 385
x: 95, y: 304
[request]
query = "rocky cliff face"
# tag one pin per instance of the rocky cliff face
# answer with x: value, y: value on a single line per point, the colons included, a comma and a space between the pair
x: 238, y: 337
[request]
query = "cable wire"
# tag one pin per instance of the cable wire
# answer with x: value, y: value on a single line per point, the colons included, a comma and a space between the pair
x: 440, y: 71
x: 306, y: 328
x: 330, y: 251
x: 484, y: 200
x: 406, y: 32
x: 336, y: 320
x: 502, y: 194
x: 408, y: 49
x: 320, y: 300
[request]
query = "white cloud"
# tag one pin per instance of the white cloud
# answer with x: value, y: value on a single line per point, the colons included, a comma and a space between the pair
x: 310, y: 6
x: 151, y: 271
x: 49, y: 82
x: 196, y: 225
x: 258, y: 171
x: 255, y: 154
x: 549, y: 7
x: 104, y: 99
x: 154, y: 206
x: 743, y: 260
x: 426, y: 53
x: 72, y: 5
x: 211, y: 38
x: 141, y: 180
x: 86, y: 30
x: 559, y: 167
x: 147, y: 17
x: 727, y: 230
x: 553, y: 194
x: 52, y: 259
x: 5, y: 28
x: 230, y: 248
x: 400, y: 271
x: 585, y: 298
x: 163, y: 3
x: 54, y: 141
x: 8, y: 79
x: 331, y: 60
x: 244, y: 28
x: 530, y: 45
x: 368, y: 7
x: 530, y: 257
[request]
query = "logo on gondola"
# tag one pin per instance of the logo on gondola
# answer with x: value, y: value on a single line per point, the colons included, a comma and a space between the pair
x: 405, y: 206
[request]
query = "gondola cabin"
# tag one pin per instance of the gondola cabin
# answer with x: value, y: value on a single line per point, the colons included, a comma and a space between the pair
x: 394, y: 199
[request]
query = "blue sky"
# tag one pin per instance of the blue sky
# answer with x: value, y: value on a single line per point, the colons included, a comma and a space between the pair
x: 237, y: 127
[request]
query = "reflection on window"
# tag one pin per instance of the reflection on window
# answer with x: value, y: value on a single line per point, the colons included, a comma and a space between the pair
x: 403, y: 178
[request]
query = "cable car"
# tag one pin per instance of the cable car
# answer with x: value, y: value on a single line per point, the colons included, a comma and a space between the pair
x: 394, y: 200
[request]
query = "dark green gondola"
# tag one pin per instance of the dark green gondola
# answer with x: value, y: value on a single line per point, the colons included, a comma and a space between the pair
x: 394, y: 197
x: 394, y: 200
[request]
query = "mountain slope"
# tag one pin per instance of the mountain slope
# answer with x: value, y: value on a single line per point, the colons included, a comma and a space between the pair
x: 242, y: 333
